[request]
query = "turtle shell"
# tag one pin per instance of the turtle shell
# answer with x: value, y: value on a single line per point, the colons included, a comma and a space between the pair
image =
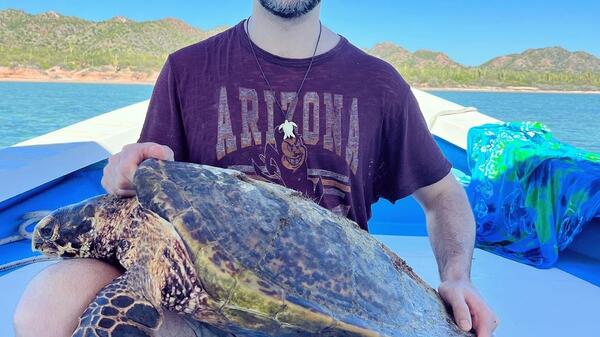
x: 275, y: 263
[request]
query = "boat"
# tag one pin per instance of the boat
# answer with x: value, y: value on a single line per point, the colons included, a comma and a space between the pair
x: 65, y: 166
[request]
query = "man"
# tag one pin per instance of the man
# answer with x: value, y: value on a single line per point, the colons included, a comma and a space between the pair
x: 286, y: 100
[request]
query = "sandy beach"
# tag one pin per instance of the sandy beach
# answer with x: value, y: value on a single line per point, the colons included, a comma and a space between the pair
x: 56, y: 74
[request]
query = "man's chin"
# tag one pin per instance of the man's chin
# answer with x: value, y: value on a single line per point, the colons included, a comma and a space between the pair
x: 289, y: 9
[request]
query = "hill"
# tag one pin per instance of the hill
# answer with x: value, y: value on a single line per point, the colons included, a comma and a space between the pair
x: 554, y: 59
x: 54, y: 46
x: 53, y: 41
x: 546, y: 68
x: 420, y: 58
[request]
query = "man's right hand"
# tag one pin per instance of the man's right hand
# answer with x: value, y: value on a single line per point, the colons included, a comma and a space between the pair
x: 118, y: 174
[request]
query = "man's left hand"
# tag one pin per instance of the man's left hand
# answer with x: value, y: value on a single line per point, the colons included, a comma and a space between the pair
x: 469, y: 309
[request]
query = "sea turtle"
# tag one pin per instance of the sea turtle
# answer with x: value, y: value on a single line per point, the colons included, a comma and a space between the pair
x: 247, y: 256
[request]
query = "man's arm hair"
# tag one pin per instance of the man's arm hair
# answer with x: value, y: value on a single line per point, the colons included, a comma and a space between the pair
x: 450, y: 225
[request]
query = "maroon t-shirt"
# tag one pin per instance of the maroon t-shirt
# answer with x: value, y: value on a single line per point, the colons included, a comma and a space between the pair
x: 360, y: 134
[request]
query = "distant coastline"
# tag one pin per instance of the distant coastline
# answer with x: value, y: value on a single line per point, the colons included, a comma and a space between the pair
x: 121, y: 50
x: 510, y: 89
x: 140, y: 79
x: 56, y: 74
x: 71, y: 80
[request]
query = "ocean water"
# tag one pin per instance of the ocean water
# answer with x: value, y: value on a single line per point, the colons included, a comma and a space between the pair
x: 30, y: 109
x: 572, y: 118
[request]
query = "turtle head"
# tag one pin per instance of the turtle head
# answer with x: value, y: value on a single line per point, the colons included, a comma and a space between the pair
x: 69, y: 231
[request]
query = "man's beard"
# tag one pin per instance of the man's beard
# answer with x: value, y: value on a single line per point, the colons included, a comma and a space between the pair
x: 289, y: 8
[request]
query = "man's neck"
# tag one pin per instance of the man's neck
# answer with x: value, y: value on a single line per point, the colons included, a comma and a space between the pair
x: 290, y: 38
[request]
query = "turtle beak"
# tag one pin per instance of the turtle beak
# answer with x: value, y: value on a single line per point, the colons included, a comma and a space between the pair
x: 46, y: 247
x: 42, y: 235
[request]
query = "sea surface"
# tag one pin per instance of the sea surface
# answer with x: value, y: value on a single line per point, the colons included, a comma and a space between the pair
x: 30, y: 109
x: 572, y: 118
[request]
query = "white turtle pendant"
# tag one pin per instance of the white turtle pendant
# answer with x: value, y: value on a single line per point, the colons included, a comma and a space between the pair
x: 288, y: 129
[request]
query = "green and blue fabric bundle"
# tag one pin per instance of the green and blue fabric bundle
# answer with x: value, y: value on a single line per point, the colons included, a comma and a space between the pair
x: 530, y: 193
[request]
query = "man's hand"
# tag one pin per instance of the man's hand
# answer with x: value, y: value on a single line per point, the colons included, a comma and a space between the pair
x: 469, y: 309
x: 118, y: 174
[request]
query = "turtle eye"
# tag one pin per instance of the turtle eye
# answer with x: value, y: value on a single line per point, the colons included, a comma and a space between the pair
x: 46, y: 232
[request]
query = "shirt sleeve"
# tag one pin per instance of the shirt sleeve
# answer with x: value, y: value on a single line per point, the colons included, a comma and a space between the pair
x: 164, y: 122
x: 411, y: 157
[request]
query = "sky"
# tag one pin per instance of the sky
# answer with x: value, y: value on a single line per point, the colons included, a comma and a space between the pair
x: 469, y: 31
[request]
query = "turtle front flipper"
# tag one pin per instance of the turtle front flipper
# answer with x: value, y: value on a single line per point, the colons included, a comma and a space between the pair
x: 120, y: 310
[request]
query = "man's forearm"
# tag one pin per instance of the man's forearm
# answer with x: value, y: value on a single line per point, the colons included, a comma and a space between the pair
x: 451, y: 230
x: 452, y: 233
